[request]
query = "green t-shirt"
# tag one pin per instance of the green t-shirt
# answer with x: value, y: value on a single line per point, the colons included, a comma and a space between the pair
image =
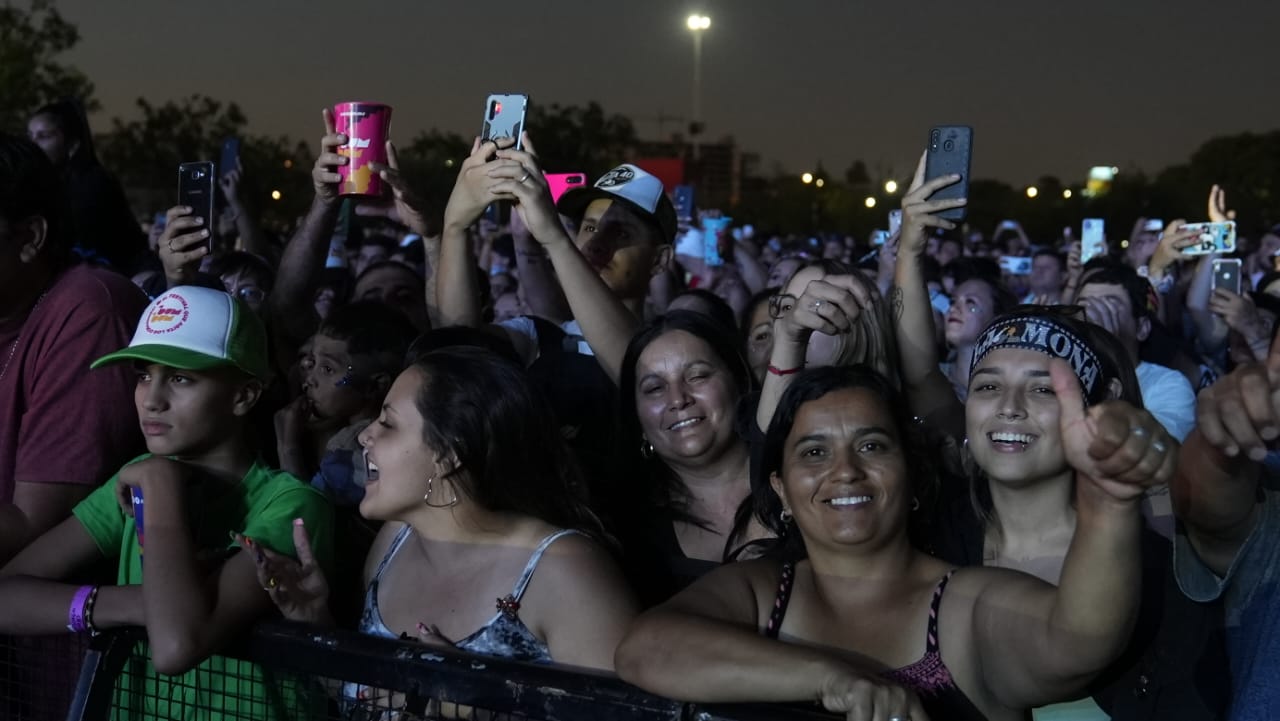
x: 262, y: 507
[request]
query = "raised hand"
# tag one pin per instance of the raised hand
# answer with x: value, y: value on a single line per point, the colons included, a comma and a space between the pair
x: 1218, y: 212
x: 297, y: 587
x: 1241, y: 412
x: 1118, y: 449
x: 231, y: 182
x: 473, y: 191
x: 1169, y: 251
x: 1238, y: 311
x: 324, y: 176
x: 830, y: 305
x: 918, y: 211
x: 405, y: 206
x: 520, y: 177
x: 182, y: 245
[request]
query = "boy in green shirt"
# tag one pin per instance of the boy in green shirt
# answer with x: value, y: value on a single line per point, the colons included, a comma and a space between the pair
x: 201, y: 360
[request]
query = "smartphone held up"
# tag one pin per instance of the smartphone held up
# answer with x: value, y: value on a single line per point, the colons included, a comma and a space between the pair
x: 196, y: 190
x: 1214, y: 238
x: 950, y: 152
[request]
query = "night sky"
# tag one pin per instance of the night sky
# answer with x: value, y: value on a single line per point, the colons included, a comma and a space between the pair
x: 1051, y: 88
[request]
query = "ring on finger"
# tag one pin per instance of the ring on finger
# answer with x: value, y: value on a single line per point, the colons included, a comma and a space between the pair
x: 815, y: 305
x: 1159, y: 446
x: 1138, y: 431
x: 523, y: 177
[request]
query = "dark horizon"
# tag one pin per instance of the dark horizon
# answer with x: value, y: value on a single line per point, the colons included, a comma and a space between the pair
x: 1050, y: 90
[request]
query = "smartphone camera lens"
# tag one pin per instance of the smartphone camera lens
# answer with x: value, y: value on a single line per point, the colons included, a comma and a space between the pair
x: 933, y: 140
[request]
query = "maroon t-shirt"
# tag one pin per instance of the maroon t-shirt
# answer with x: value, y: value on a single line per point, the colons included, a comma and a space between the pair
x: 59, y: 421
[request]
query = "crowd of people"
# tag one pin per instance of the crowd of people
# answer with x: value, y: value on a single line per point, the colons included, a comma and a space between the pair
x: 898, y: 480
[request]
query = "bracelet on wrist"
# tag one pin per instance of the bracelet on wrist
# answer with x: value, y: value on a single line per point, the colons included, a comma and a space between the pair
x: 78, y: 613
x: 780, y: 372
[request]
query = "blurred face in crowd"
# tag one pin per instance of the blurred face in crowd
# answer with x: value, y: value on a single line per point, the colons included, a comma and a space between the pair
x: 324, y: 302
x: 507, y: 306
x: 500, y: 284
x: 972, y: 309
x: 397, y: 456
x: 1109, y: 305
x: 45, y: 132
x: 333, y: 381
x: 833, y: 250
x: 1141, y: 248
x: 399, y: 288
x: 247, y: 286
x: 686, y: 399
x: 782, y: 272
x: 1011, y: 418
x: 1047, y: 274
x: 368, y: 255
x: 191, y: 414
x: 759, y: 340
x: 1268, y: 246
x: 620, y: 246
x: 844, y: 475
x: 948, y: 250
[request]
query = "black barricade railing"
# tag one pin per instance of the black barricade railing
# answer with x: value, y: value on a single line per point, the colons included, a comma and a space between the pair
x: 38, y: 675
x: 290, y: 671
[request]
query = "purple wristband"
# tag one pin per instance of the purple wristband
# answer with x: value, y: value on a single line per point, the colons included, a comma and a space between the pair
x: 76, y: 622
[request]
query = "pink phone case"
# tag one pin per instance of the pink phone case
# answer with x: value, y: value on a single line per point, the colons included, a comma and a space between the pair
x: 561, y: 183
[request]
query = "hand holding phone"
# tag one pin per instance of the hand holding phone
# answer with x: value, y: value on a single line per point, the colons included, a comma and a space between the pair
x: 184, y: 242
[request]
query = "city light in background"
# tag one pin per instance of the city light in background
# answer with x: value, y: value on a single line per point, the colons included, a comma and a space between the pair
x: 275, y: 195
x: 819, y: 182
x: 1066, y: 194
x: 1032, y: 191
x: 870, y: 202
x: 698, y: 22
x: 806, y: 178
x: 891, y: 186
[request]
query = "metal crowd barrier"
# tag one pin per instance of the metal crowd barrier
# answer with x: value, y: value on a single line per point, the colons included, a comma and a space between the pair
x: 290, y: 671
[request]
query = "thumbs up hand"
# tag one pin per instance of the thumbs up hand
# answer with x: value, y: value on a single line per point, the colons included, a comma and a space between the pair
x: 1241, y: 412
x: 1119, y: 449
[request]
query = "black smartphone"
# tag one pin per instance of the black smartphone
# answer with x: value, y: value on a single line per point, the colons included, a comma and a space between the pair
x: 504, y: 117
x: 684, y: 203
x: 1226, y: 274
x: 230, y: 156
x: 950, y: 152
x: 196, y: 184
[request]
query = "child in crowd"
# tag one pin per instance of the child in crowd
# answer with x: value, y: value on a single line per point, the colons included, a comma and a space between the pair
x: 202, y: 362
x: 352, y: 360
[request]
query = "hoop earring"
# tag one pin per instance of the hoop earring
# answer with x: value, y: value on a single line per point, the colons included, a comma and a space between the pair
x: 646, y: 449
x: 427, y: 497
x: 785, y: 516
x: 915, y: 503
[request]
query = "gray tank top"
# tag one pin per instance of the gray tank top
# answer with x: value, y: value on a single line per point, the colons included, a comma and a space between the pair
x: 504, y: 636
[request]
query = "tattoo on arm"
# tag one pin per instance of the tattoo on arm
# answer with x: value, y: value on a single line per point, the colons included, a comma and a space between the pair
x: 895, y: 299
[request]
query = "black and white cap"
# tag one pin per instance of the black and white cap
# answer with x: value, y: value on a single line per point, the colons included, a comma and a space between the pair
x: 628, y: 184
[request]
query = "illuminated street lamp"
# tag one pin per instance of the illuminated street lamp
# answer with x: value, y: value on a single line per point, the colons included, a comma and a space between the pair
x: 275, y: 195
x: 1032, y: 191
x: 891, y: 186
x: 870, y: 202
x: 806, y: 178
x: 697, y: 24
x: 1066, y: 194
x: 819, y: 182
